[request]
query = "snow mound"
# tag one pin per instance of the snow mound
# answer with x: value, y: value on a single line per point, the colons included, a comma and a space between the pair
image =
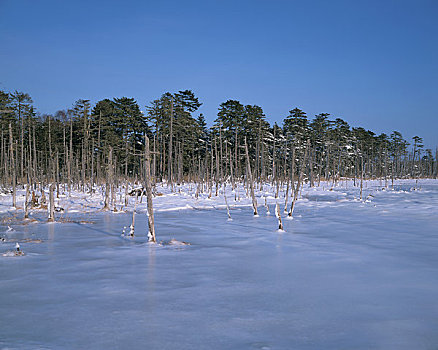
x: 11, y: 253
x: 175, y: 242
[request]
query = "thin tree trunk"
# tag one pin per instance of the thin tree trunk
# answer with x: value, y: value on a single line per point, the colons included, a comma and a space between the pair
x: 249, y: 176
x: 132, y: 227
x: 151, y: 230
x: 51, y: 204
x: 26, y: 202
x: 170, y: 146
x: 108, y: 179
x: 14, y: 175
x: 277, y: 214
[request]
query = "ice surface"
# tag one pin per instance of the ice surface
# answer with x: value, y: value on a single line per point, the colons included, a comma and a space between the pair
x: 344, y: 275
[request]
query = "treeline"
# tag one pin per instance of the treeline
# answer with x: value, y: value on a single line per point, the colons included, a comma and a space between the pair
x: 86, y: 144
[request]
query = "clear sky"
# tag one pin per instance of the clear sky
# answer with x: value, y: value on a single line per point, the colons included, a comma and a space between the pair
x: 372, y: 63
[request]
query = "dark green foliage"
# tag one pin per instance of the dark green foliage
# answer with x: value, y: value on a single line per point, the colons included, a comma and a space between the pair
x: 296, y: 125
x: 80, y: 139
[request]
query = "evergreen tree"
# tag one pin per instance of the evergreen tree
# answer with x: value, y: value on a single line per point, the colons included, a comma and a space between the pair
x: 296, y: 125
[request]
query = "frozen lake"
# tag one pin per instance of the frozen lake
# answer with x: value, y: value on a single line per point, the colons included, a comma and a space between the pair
x: 343, y: 275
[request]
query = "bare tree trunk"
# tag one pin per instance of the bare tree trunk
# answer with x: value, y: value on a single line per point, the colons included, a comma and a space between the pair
x: 277, y: 214
x: 236, y: 146
x: 211, y: 173
x: 217, y: 167
x: 273, y: 164
x: 249, y: 175
x: 154, y: 167
x: 71, y: 156
x: 220, y: 149
x: 312, y: 180
x: 233, y: 185
x: 50, y: 137
x: 132, y: 227
x: 228, y: 207
x: 258, y: 172
x: 14, y: 175
x: 180, y: 163
x: 57, y: 174
x: 170, y: 146
x: 51, y: 204
x: 83, y: 166
x: 126, y: 193
x: 361, y: 176
x: 286, y: 196
x: 108, y: 179
x: 26, y: 202
x: 29, y: 167
x: 151, y: 231
x: 297, y: 189
x: 436, y: 163
x: 126, y: 155
x: 98, y: 150
x: 267, y: 206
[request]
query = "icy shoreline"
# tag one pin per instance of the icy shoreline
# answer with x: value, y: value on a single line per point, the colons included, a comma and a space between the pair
x: 184, y: 196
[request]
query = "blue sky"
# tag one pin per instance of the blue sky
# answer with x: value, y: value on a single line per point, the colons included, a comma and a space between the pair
x: 372, y: 63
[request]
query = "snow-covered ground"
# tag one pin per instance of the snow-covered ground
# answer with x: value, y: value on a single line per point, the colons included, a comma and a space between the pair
x: 344, y: 274
x: 184, y: 196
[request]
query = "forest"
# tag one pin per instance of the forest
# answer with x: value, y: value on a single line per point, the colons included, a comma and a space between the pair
x: 105, y: 143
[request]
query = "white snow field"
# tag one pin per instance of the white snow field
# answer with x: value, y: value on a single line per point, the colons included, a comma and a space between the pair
x: 344, y: 274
